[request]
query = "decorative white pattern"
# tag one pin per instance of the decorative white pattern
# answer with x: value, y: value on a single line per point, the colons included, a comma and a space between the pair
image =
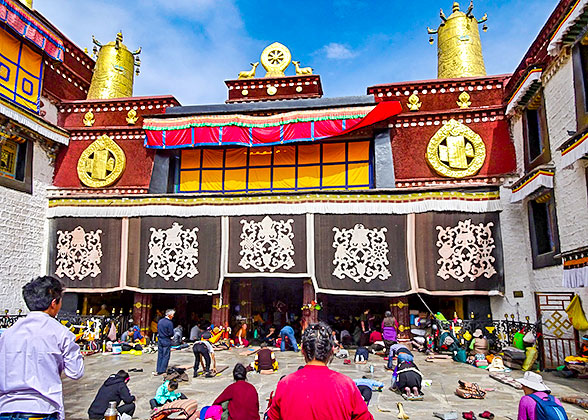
x: 361, y: 254
x: 173, y: 252
x: 267, y: 245
x: 78, y: 253
x: 466, y: 251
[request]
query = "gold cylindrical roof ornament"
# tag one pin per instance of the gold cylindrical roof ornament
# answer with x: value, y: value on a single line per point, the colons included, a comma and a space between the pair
x: 114, y: 70
x: 459, y: 48
x: 27, y: 3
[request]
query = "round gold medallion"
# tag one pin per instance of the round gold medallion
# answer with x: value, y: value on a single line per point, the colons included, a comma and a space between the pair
x: 102, y: 163
x: 275, y: 58
x: 272, y: 90
x: 456, y: 151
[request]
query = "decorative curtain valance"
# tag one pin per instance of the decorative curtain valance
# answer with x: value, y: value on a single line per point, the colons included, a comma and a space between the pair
x: 569, y: 28
x: 574, y: 149
x: 29, y: 27
x: 531, y: 183
x: 575, y: 268
x: 251, y: 131
x: 525, y: 90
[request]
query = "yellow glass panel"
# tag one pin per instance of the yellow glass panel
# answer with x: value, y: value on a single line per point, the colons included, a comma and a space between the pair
x: 284, y: 155
x: 212, y: 180
x: 260, y: 156
x: 189, y: 181
x: 285, y: 177
x: 190, y: 159
x: 333, y: 175
x: 333, y: 152
x: 235, y: 179
x: 309, y: 153
x: 309, y: 176
x: 358, y: 174
x: 259, y: 178
x: 359, y: 150
x: 236, y: 158
x: 212, y: 158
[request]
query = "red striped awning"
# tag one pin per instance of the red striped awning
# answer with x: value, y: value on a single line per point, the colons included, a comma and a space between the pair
x: 251, y: 131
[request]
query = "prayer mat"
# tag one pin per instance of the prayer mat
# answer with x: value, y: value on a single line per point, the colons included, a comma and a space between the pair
x: 218, y: 372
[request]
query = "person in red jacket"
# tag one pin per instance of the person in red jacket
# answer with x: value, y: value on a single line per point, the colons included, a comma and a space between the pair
x: 316, y: 392
x: 240, y: 398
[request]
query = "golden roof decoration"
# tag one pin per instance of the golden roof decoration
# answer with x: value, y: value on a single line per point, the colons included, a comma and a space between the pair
x: 275, y: 59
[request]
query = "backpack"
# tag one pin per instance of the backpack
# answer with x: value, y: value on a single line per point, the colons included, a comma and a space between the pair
x: 548, y: 409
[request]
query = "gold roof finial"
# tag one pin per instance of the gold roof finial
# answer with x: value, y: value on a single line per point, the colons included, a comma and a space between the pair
x: 459, y: 50
x: 114, y: 70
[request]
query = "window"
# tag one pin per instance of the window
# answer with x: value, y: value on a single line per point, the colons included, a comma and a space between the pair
x: 580, y: 59
x: 16, y: 163
x: 543, y: 230
x: 304, y: 167
x: 535, y: 133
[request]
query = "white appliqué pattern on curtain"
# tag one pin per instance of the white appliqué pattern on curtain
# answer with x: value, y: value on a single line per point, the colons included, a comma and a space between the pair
x: 361, y: 254
x: 173, y: 252
x: 78, y: 253
x: 466, y: 251
x: 267, y: 245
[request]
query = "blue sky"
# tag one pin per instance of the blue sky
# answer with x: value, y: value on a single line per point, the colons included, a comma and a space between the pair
x: 191, y: 46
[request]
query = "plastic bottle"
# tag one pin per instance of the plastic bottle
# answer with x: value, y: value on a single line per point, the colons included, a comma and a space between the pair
x: 372, y: 369
x: 111, y: 412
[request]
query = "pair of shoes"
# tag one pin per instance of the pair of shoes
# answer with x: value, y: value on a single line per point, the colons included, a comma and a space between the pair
x: 486, y: 415
x: 346, y: 362
x: 135, y: 370
x: 156, y: 373
x: 469, y: 415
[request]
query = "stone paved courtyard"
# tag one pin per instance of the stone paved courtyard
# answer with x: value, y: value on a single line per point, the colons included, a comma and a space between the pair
x: 503, y: 401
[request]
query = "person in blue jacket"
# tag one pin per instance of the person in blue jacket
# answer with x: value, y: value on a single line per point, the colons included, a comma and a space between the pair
x: 288, y: 331
x: 165, y: 332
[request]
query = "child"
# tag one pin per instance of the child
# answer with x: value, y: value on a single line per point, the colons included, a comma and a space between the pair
x: 167, y: 392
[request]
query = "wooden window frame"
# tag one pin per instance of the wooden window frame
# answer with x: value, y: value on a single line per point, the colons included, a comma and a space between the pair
x: 544, y: 157
x: 580, y: 79
x: 26, y: 185
x: 546, y: 259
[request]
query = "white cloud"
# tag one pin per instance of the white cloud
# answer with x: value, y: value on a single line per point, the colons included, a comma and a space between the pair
x: 338, y: 51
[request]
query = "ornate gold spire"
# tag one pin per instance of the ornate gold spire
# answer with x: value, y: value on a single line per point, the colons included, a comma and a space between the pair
x: 459, y: 50
x: 27, y: 3
x: 113, y: 73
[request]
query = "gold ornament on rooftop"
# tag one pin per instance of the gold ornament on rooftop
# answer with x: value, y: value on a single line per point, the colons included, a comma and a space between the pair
x: 249, y: 74
x: 275, y: 59
x: 114, y: 70
x: 414, y: 103
x: 132, y: 117
x: 89, y: 119
x: 102, y: 163
x: 301, y: 71
x: 463, y: 101
x: 456, y: 151
x: 459, y: 49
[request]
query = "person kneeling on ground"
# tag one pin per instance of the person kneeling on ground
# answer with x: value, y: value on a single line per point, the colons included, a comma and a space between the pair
x: 367, y: 386
x: 239, y: 399
x: 203, y: 352
x: 167, y: 392
x: 407, y: 377
x: 537, y: 399
x: 361, y: 355
x: 265, y: 360
x: 288, y: 333
x: 113, y: 389
x: 395, y: 351
x: 316, y: 392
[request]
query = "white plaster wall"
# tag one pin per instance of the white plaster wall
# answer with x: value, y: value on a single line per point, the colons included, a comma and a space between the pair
x: 23, y: 234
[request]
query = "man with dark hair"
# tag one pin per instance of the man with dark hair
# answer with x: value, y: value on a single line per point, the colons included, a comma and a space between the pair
x: 240, y: 398
x: 30, y: 383
x: 165, y: 332
x: 265, y: 360
x: 317, y: 392
x: 113, y: 389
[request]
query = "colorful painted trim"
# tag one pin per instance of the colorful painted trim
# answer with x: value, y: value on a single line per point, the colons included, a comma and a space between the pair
x: 575, y: 151
x: 27, y: 26
x: 525, y: 90
x: 565, y: 26
x: 575, y: 268
x: 250, y: 131
x: 541, y: 178
x: 188, y: 206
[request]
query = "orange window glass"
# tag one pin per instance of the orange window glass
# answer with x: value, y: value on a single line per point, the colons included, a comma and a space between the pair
x: 285, y: 177
x: 235, y: 179
x: 212, y: 158
x: 359, y: 150
x: 309, y: 154
x: 190, y: 159
x: 334, y: 175
x: 259, y: 179
x: 333, y: 152
x: 189, y: 181
x: 236, y: 158
x: 260, y: 156
x: 309, y: 176
x: 212, y: 180
x: 284, y: 155
x: 358, y: 174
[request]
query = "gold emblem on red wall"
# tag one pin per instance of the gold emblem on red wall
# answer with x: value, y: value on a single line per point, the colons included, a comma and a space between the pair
x: 102, y: 163
x: 456, y: 151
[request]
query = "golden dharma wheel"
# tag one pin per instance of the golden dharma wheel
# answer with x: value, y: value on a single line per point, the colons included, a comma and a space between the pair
x: 275, y: 59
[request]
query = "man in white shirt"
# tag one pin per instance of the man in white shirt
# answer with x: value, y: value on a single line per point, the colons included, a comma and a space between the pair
x: 33, y: 354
